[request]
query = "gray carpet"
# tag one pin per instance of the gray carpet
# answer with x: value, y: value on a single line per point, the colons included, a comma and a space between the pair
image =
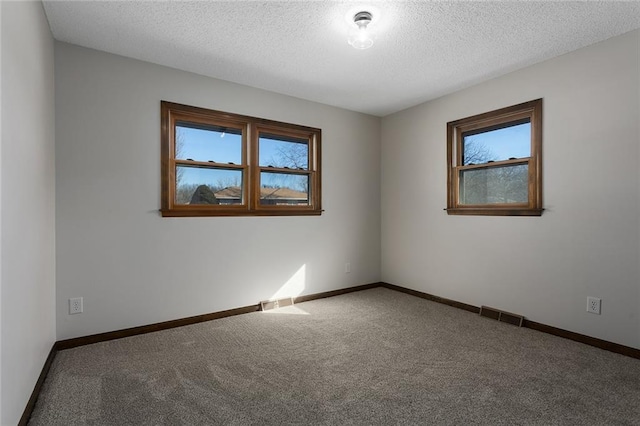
x: 371, y: 357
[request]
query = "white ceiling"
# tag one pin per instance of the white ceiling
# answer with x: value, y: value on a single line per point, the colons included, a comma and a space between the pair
x: 423, y: 50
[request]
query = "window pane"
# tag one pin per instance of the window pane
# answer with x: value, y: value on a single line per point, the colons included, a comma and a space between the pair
x: 513, y: 141
x: 208, y: 143
x: 284, y: 189
x: 494, y: 185
x: 281, y: 151
x: 195, y: 185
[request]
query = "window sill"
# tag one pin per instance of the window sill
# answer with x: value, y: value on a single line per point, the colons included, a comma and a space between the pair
x: 210, y: 213
x: 495, y: 211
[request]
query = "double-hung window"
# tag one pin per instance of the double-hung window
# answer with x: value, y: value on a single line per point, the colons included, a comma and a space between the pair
x: 495, y: 162
x: 221, y: 164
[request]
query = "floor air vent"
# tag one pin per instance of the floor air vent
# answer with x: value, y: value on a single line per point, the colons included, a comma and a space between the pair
x: 503, y: 316
x: 274, y: 304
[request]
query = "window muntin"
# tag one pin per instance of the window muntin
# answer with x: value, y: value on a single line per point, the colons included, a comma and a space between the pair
x: 221, y: 164
x: 494, y: 162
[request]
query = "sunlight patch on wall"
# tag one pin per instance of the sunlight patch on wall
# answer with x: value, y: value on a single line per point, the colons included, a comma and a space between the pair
x: 292, y: 288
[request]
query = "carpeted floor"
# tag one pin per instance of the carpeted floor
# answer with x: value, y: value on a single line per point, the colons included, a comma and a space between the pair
x: 371, y: 357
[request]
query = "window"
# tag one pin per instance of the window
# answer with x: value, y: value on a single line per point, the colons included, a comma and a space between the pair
x: 221, y: 164
x: 495, y: 162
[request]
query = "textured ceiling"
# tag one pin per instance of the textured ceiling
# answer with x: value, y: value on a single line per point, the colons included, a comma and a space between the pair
x: 423, y: 50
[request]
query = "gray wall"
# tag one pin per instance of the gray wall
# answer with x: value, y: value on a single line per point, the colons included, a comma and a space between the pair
x: 27, y: 257
x: 587, y: 241
x: 134, y: 267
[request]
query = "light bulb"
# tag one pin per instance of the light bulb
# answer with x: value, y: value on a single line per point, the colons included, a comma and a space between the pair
x: 362, y: 36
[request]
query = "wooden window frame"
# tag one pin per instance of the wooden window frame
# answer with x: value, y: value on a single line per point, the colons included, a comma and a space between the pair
x: 171, y: 113
x: 455, y: 165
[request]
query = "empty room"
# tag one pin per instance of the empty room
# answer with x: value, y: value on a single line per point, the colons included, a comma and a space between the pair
x: 319, y: 212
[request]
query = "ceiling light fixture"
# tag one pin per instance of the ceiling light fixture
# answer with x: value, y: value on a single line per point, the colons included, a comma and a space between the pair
x: 362, y: 36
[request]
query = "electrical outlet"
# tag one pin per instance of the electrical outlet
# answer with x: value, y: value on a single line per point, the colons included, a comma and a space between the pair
x: 75, y: 305
x: 593, y: 305
x: 347, y: 268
